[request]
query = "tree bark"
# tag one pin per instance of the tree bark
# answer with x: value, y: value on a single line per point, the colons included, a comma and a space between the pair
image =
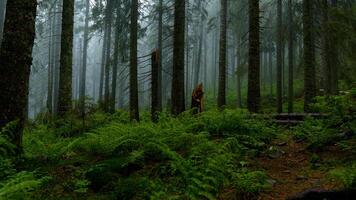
x: 85, y: 55
x: 178, y: 94
x: 290, y: 57
x: 253, y: 96
x: 270, y: 60
x: 56, y: 54
x: 154, y: 86
x: 238, y: 74
x: 160, y: 46
x: 108, y: 55
x: 200, y: 46
x: 15, y: 65
x: 222, y: 55
x: 102, y: 67
x: 334, y: 59
x: 2, y: 18
x: 309, y: 55
x: 50, y: 64
x: 329, y: 51
x: 65, y: 77
x: 134, y: 108
x: 116, y: 58
x: 279, y: 57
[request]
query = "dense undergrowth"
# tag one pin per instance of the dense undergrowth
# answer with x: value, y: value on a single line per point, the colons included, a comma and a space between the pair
x: 188, y: 157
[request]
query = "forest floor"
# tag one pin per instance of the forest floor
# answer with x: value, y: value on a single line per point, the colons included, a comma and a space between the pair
x: 293, y: 169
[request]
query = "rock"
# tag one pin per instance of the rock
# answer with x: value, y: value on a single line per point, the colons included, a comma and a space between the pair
x: 282, y: 144
x: 272, y: 182
x: 276, y: 154
x: 301, y: 177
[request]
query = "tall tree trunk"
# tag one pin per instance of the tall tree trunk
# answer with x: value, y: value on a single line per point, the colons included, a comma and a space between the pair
x: 309, y: 55
x: 270, y: 60
x: 187, y: 60
x: 56, y: 54
x: 134, y: 108
x: 334, y: 59
x: 108, y: 55
x: 253, y: 96
x: 200, y: 46
x: 178, y: 95
x: 264, y: 70
x: 215, y: 63
x: 65, y: 77
x: 205, y: 64
x: 102, y: 67
x: 279, y: 57
x: 2, y: 17
x: 290, y: 57
x: 15, y: 65
x: 116, y: 58
x: 222, y: 55
x: 85, y: 55
x: 160, y: 46
x: 238, y: 74
x: 50, y: 64
x: 154, y: 86
x: 329, y: 51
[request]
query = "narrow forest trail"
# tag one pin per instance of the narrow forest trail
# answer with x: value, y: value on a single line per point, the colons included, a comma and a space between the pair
x: 290, y: 171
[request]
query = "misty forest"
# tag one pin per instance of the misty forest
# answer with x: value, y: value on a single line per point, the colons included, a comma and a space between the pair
x: 178, y: 99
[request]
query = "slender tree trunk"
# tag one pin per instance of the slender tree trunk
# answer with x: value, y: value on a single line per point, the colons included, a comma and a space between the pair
x: 102, y: 67
x: 116, y: 58
x: 187, y: 56
x: 108, y: 56
x: 200, y: 47
x: 253, y: 96
x: 270, y: 59
x: 178, y: 94
x: 85, y: 55
x: 264, y: 70
x: 329, y: 51
x: 160, y: 46
x: 134, y: 108
x: 50, y: 64
x: 215, y: 63
x: 56, y: 54
x: 222, y: 55
x: 2, y: 17
x: 154, y: 86
x: 238, y: 74
x: 334, y: 59
x: 309, y: 55
x: 290, y: 57
x: 205, y: 61
x: 65, y: 77
x: 77, y: 80
x: 15, y: 65
x: 279, y: 57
